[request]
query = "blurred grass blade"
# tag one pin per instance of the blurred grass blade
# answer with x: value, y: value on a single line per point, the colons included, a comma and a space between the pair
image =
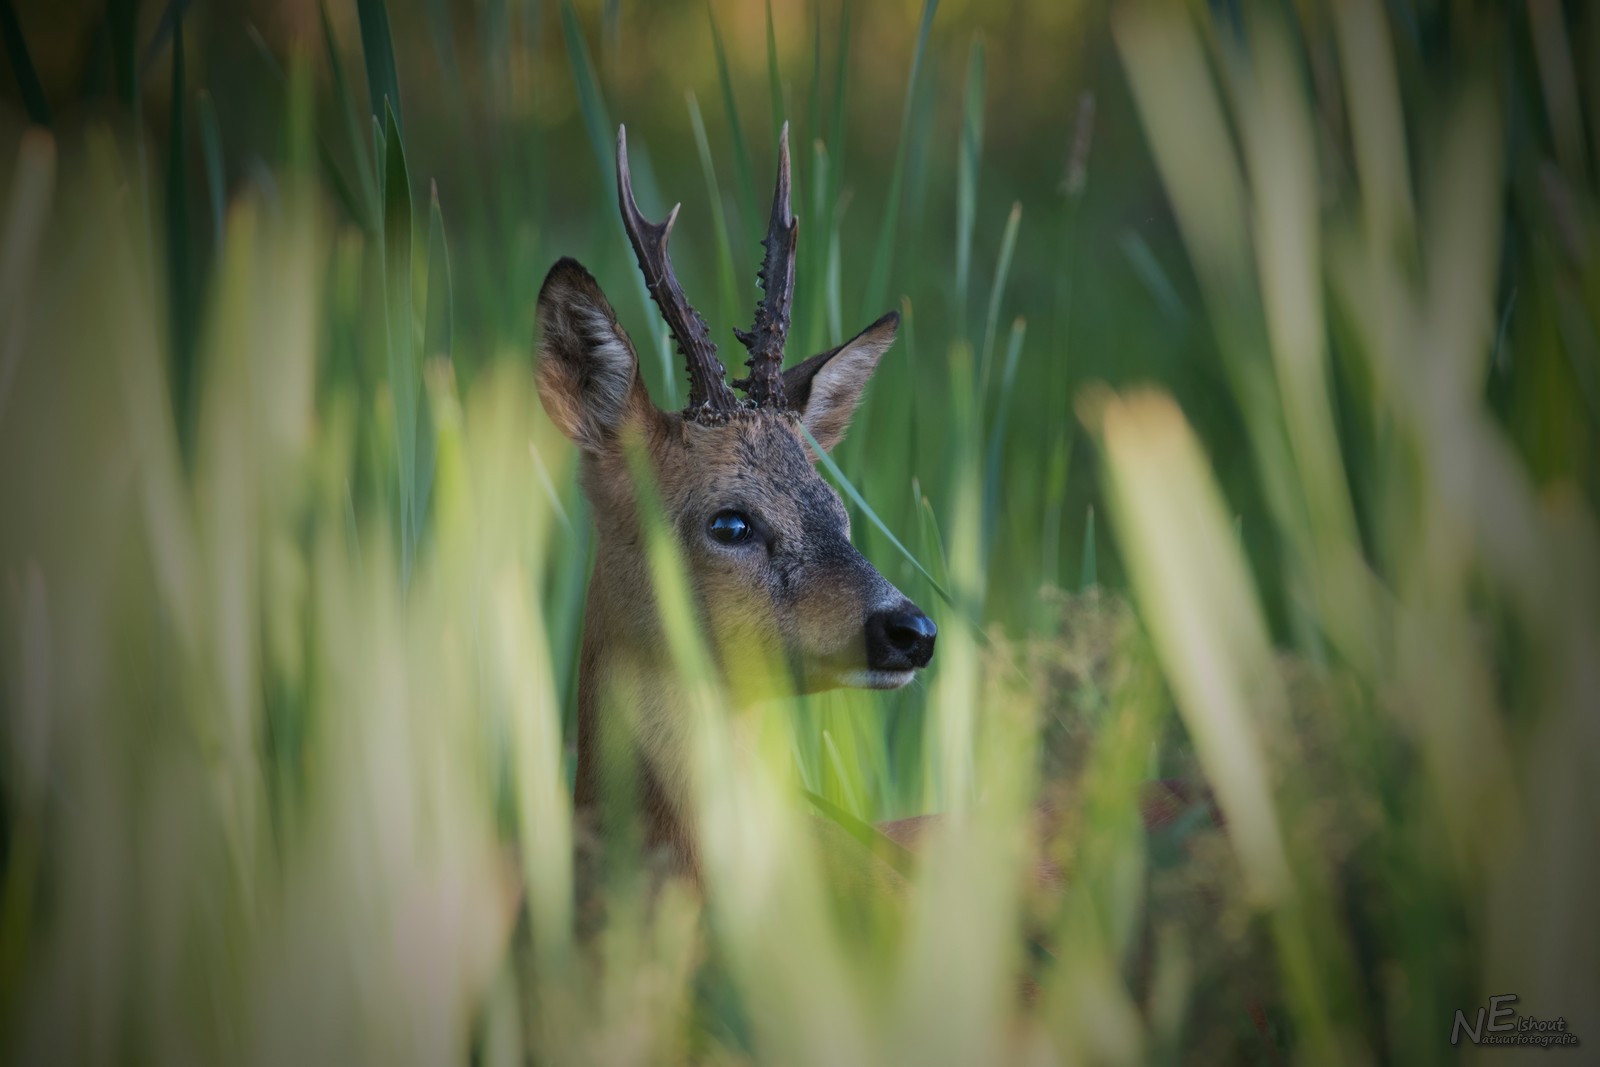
x: 404, y: 368
x: 968, y: 159
x: 997, y: 434
x: 366, y: 173
x: 817, y: 229
x: 22, y: 68
x: 122, y: 20
x: 1055, y: 493
x: 1150, y: 271
x: 877, y: 287
x: 744, y: 174
x: 813, y: 117
x: 437, y: 338
x: 364, y: 213
x: 602, y: 140
x: 835, y: 132
x: 216, y: 181
x: 1559, y: 82
x: 1088, y: 570
x: 932, y: 539
x: 774, y: 75
x: 997, y: 292
x: 180, y: 271
x: 28, y: 210
x: 440, y: 322
x: 727, y: 286
x: 1377, y: 122
x: 591, y: 101
x: 377, y: 48
x: 166, y: 28
x: 1183, y: 568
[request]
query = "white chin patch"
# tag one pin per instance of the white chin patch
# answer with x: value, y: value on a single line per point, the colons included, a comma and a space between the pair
x: 870, y: 679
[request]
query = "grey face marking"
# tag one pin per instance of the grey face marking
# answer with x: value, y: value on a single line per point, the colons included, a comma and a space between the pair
x: 797, y: 586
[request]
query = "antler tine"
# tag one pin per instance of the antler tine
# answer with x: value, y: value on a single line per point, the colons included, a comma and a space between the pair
x: 766, y: 339
x: 708, y: 386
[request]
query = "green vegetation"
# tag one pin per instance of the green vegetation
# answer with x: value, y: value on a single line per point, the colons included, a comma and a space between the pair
x: 1271, y: 332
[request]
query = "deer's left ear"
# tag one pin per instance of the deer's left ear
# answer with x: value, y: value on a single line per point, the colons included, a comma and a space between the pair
x: 826, y: 388
x: 588, y: 373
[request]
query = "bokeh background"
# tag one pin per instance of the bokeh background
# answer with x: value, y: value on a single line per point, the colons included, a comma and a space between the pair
x: 1241, y: 432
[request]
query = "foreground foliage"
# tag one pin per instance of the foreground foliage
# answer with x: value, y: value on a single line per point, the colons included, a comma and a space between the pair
x: 293, y: 579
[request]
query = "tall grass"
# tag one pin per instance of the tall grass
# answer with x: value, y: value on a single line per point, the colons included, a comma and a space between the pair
x: 294, y: 564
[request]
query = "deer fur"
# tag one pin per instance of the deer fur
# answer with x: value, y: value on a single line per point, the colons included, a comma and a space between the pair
x: 802, y: 602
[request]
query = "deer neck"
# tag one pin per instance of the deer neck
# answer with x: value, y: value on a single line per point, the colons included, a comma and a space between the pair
x: 630, y: 715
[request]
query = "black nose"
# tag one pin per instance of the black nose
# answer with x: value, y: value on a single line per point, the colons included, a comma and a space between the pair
x: 900, y: 639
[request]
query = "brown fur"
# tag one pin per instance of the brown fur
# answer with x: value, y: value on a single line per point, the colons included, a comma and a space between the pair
x: 795, y: 605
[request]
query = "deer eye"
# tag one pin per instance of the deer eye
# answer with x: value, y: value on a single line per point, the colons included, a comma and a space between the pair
x: 730, y: 527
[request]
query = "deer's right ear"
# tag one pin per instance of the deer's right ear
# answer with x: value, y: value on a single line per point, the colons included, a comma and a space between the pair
x: 588, y: 372
x: 826, y: 388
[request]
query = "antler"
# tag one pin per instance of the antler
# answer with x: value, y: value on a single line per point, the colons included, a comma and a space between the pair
x: 767, y: 337
x: 708, y: 388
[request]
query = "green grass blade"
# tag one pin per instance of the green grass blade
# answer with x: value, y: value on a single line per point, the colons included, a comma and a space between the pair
x: 437, y: 339
x: 872, y: 516
x: 611, y: 30
x: 347, y: 113
x: 997, y: 434
x: 181, y: 310
x: 440, y: 320
x: 743, y: 173
x: 404, y: 374
x: 591, y: 102
x: 28, y: 84
x: 997, y: 292
x: 878, y: 281
x: 774, y: 75
x: 1055, y: 493
x: 970, y: 154
x: 833, y: 283
x: 441, y: 31
x: 27, y: 214
x: 1088, y: 570
x: 122, y: 19
x: 216, y: 181
x: 836, y: 126
x: 377, y: 47
x: 602, y: 140
x: 1152, y: 274
x: 932, y: 538
x: 727, y: 285
x: 813, y: 116
x: 362, y: 213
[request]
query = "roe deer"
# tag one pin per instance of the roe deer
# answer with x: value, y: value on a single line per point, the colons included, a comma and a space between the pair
x: 766, y: 542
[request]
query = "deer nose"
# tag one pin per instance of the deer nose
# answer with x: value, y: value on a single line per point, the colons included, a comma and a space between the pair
x: 900, y: 639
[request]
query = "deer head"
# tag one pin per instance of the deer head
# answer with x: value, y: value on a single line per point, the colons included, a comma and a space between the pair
x: 765, y: 541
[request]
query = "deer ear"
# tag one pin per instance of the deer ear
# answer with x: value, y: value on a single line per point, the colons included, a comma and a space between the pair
x: 588, y: 372
x: 826, y: 388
